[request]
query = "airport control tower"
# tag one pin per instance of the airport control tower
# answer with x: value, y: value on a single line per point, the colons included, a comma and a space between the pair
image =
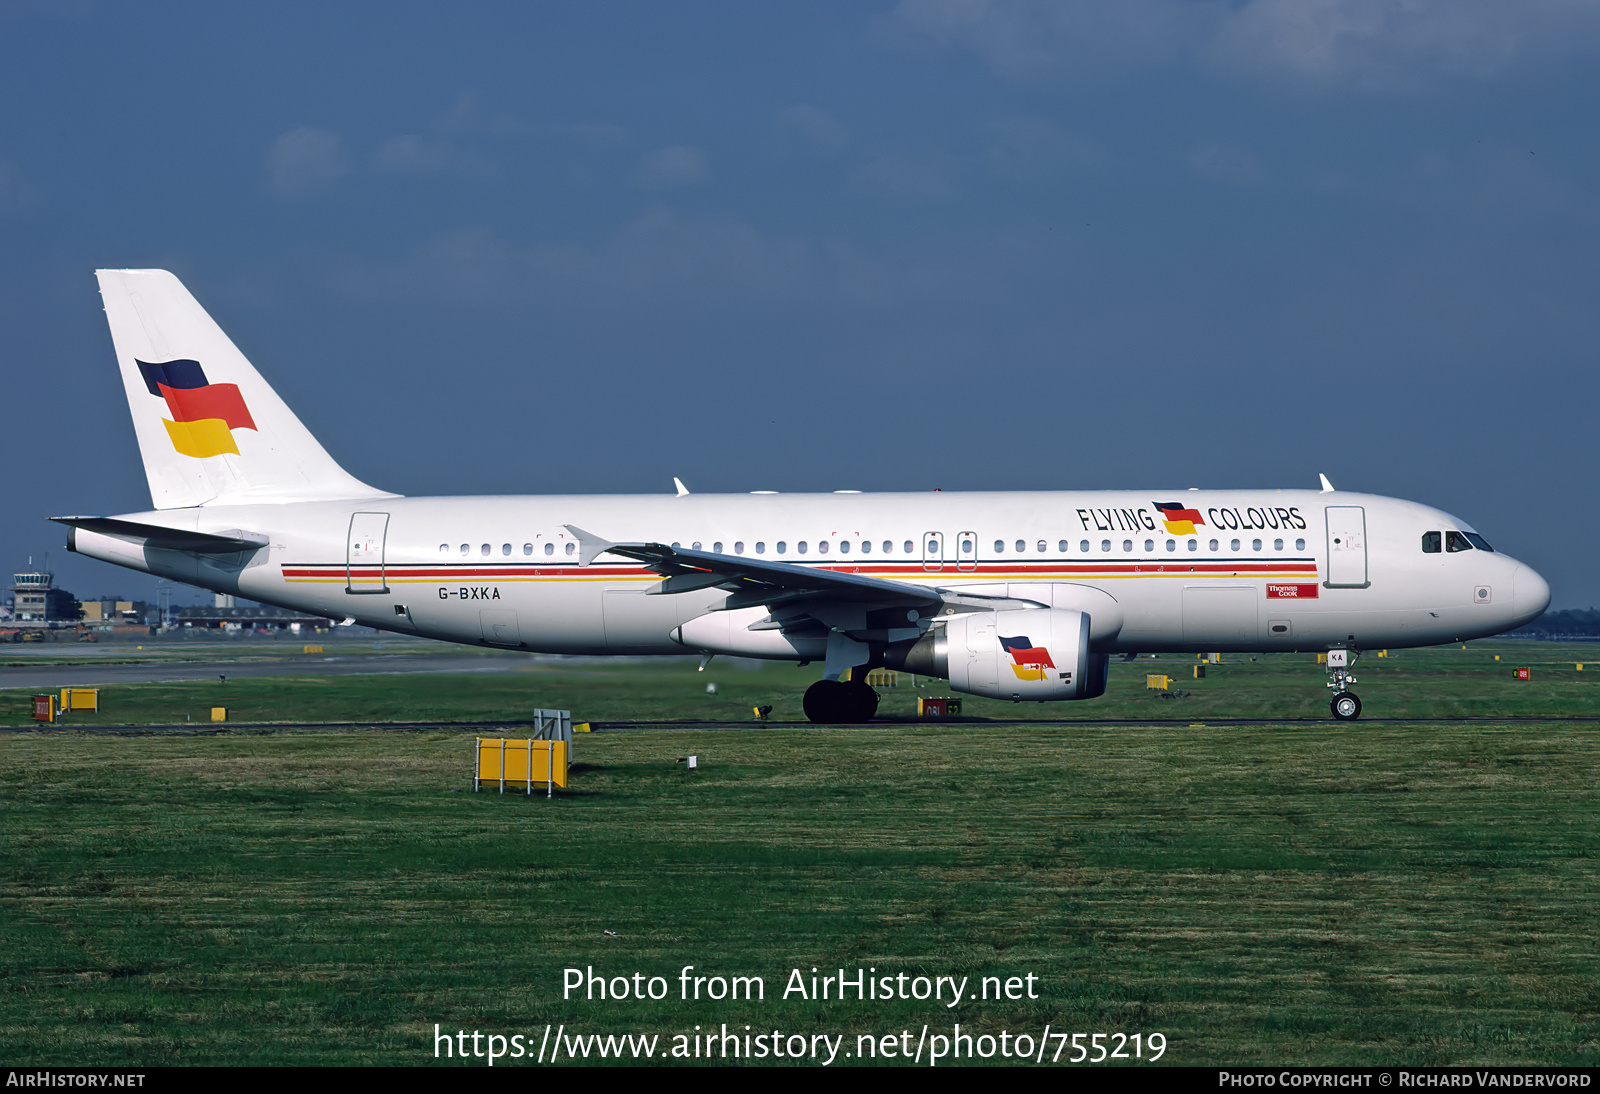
x: 36, y: 602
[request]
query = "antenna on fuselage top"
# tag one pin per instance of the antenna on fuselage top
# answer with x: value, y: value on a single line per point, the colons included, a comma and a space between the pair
x: 1327, y: 487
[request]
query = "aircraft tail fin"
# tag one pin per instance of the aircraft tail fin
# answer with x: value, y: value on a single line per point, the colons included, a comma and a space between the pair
x: 210, y: 429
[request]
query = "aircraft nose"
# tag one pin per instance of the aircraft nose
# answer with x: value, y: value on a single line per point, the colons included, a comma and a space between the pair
x: 1530, y: 594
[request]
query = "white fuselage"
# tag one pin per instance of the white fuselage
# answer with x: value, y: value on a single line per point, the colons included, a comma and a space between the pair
x: 1260, y: 570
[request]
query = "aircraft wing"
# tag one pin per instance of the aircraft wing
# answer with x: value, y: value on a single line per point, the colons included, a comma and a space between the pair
x: 754, y: 581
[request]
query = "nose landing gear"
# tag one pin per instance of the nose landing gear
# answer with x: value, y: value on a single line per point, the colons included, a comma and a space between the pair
x: 1345, y: 705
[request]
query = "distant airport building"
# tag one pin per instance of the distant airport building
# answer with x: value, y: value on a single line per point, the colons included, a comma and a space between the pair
x: 36, y: 602
x: 244, y: 616
x: 113, y: 612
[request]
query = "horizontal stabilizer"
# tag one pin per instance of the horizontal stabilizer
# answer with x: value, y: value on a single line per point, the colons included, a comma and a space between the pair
x: 171, y: 539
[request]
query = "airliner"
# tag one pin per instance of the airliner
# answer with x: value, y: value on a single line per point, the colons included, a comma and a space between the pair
x: 1019, y: 596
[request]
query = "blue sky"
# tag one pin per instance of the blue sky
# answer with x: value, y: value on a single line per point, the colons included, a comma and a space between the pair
x: 554, y: 248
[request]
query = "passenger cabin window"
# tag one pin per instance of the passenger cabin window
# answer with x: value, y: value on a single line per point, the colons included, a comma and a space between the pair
x: 549, y: 548
x: 1127, y: 545
x: 909, y: 549
x: 1299, y: 545
x: 444, y: 548
x: 1149, y: 545
x: 717, y: 547
x: 738, y: 546
x: 866, y: 546
x: 1105, y: 546
x: 1021, y: 546
x: 505, y: 548
x: 466, y: 549
x: 1456, y: 541
x: 999, y: 546
x: 1083, y: 545
x: 761, y: 548
x: 1172, y: 545
x: 1277, y: 545
x: 1213, y: 546
x: 801, y: 546
x: 572, y: 548
x: 1062, y: 547
x: 1234, y: 546
x: 527, y: 548
x: 1255, y: 545
x: 844, y: 546
x: 1194, y: 545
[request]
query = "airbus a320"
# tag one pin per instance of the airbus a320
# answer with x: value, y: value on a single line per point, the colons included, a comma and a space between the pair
x: 1023, y: 596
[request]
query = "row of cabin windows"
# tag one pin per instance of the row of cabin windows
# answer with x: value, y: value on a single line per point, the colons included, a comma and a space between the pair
x: 1128, y: 545
x: 1063, y: 546
x: 1453, y: 542
x: 505, y: 549
x: 802, y: 547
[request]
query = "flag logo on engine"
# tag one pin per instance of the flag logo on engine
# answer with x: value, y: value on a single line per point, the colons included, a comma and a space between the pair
x: 1027, y: 660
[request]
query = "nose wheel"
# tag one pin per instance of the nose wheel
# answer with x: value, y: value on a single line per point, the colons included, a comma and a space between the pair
x: 1345, y: 706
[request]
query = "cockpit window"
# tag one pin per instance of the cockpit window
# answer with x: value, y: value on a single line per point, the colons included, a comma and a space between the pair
x: 1478, y: 541
x: 1457, y: 541
x: 1431, y: 542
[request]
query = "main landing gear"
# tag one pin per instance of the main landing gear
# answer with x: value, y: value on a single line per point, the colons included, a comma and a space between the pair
x: 1345, y: 705
x: 839, y: 701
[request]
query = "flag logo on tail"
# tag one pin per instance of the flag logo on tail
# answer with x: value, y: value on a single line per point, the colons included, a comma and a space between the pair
x: 204, y: 415
x: 1179, y: 520
x: 1027, y: 660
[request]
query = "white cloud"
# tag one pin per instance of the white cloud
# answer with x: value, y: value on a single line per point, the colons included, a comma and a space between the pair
x: 666, y: 168
x: 810, y: 130
x: 1384, y: 44
x: 17, y: 195
x: 306, y: 161
x: 1023, y: 40
x: 1374, y: 45
x: 909, y: 178
x: 1227, y: 163
x: 413, y: 154
x: 665, y: 256
x: 1032, y: 149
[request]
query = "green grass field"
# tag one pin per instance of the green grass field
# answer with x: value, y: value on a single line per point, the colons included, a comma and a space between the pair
x: 1316, y: 892
x: 1443, y: 682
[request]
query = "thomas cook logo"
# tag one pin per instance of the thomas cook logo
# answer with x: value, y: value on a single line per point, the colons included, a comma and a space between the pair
x: 204, y: 415
x: 1027, y: 660
x: 1179, y: 521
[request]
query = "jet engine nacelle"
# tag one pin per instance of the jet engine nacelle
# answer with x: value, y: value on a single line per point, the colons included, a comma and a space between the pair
x: 1032, y: 654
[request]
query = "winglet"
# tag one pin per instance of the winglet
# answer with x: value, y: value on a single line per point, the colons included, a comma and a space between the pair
x: 589, y: 544
x: 1327, y: 487
x: 683, y: 491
